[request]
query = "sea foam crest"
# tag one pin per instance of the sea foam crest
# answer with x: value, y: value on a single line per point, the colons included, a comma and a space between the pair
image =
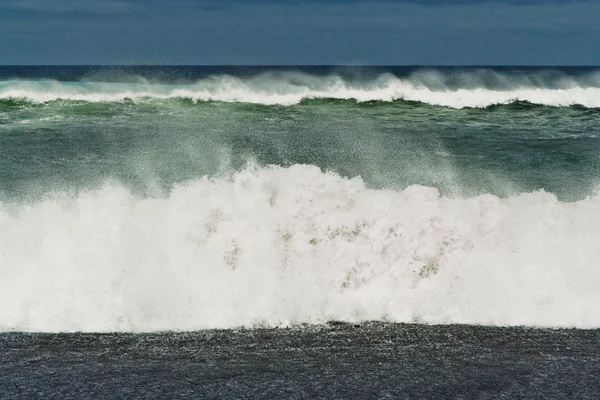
x: 277, y: 246
x: 291, y: 88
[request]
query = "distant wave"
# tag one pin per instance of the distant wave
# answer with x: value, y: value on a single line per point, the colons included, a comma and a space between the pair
x: 278, y: 246
x: 292, y: 88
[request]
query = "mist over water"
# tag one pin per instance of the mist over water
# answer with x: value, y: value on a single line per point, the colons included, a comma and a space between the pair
x: 141, y: 200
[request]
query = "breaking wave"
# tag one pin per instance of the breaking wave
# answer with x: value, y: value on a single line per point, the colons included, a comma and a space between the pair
x: 278, y: 246
x: 292, y: 87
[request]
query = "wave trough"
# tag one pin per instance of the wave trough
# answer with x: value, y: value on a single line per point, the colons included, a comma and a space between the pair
x: 278, y: 246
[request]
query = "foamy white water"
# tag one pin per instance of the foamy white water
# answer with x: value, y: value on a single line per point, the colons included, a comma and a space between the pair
x: 278, y: 246
x: 291, y: 88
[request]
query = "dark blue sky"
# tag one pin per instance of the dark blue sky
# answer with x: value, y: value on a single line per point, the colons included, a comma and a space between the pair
x: 475, y: 32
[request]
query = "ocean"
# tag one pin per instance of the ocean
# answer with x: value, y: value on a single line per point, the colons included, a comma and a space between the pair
x: 439, y: 224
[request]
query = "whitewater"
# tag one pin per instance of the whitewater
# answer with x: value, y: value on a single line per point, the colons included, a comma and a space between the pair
x: 473, y: 91
x: 285, y: 246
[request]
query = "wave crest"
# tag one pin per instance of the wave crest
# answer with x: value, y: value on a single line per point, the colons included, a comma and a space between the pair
x: 291, y: 88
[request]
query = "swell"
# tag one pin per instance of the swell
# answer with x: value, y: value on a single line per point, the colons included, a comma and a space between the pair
x: 278, y: 246
x: 295, y: 88
x: 9, y: 104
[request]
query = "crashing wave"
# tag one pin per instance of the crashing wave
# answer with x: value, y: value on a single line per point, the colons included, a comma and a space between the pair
x: 278, y: 246
x: 291, y: 88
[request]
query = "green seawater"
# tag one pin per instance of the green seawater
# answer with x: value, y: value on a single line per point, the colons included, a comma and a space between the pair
x: 152, y: 144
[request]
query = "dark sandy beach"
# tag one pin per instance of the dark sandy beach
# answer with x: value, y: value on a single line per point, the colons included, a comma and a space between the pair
x: 368, y: 361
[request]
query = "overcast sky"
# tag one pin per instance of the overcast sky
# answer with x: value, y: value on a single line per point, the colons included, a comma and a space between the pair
x: 417, y: 32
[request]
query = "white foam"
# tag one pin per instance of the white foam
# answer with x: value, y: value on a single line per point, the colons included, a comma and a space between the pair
x: 291, y: 88
x: 277, y: 246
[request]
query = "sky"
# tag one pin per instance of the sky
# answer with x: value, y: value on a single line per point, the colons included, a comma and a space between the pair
x: 300, y: 32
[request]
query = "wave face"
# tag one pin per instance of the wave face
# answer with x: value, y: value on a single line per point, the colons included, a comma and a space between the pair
x: 278, y: 246
x: 472, y: 88
x: 143, y: 199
